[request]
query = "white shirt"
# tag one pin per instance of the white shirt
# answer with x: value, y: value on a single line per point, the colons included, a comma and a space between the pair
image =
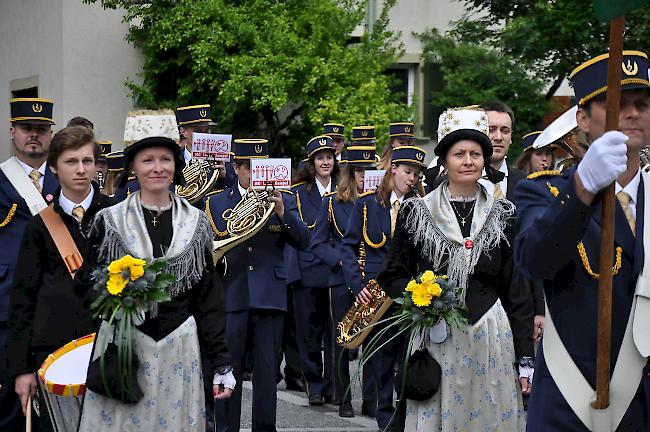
x: 504, y: 183
x: 68, y: 205
x: 631, y: 189
x: 324, y: 189
x: 187, y: 155
x: 29, y: 169
x: 393, y: 198
x: 242, y: 191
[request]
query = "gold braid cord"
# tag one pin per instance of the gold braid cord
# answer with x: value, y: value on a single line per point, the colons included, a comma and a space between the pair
x: 214, y: 226
x: 10, y: 215
x: 300, y: 211
x: 365, y: 231
x: 583, y: 252
x: 331, y: 212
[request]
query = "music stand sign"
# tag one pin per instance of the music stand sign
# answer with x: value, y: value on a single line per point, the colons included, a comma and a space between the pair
x: 274, y: 172
x: 214, y: 147
x: 372, y: 179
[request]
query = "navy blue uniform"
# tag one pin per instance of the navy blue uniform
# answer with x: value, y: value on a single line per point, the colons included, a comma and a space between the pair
x: 255, y: 303
x: 553, y: 221
x: 14, y: 216
x: 370, y: 223
x: 326, y: 240
x: 311, y: 301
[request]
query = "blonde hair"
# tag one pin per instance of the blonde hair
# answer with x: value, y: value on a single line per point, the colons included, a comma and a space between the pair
x: 388, y: 184
x: 346, y: 190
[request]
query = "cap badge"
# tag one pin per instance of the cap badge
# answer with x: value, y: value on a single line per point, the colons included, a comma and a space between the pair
x: 322, y: 142
x: 364, y: 133
x: 37, y: 108
x: 629, y: 68
x: 258, y: 149
x: 419, y: 156
x: 203, y: 113
x: 407, y: 129
x: 335, y: 129
x: 366, y: 155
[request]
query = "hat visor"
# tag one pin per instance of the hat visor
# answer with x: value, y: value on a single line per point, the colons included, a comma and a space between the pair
x: 367, y: 165
x: 464, y: 134
x: 35, y: 122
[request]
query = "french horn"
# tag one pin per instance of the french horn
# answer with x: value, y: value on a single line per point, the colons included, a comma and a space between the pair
x: 244, y: 220
x: 200, y: 178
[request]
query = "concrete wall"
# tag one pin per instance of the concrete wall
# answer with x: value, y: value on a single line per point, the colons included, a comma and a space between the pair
x: 76, y: 54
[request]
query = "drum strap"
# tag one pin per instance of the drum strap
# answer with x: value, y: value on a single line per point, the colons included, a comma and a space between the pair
x: 62, y: 239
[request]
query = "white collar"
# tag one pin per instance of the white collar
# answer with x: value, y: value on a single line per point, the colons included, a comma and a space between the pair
x: 393, y: 198
x: 632, y: 187
x: 324, y: 189
x: 29, y: 169
x: 242, y: 191
x: 68, y: 205
x: 187, y: 155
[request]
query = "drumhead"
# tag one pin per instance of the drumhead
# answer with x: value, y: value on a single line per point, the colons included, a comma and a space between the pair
x: 64, y: 371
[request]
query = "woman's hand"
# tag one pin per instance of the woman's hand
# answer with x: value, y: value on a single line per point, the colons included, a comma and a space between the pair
x: 538, y: 328
x: 220, y: 393
x: 276, y: 197
x: 364, y: 296
x: 526, y: 386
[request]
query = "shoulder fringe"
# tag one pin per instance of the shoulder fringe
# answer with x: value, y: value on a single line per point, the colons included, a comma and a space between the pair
x: 439, y: 250
x: 187, y: 267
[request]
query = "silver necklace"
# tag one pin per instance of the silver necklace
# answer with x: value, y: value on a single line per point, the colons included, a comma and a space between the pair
x: 462, y: 219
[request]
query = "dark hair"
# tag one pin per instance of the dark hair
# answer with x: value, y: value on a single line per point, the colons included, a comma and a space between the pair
x: 308, y: 173
x: 523, y: 161
x: 81, y: 121
x: 499, y: 107
x: 71, y: 138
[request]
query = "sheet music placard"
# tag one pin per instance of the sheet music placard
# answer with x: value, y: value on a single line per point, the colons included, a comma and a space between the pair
x: 271, y: 172
x: 372, y: 179
x: 211, y: 146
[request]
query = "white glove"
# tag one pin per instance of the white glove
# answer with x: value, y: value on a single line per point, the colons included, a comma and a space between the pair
x: 605, y: 160
x: 227, y: 379
x: 526, y: 372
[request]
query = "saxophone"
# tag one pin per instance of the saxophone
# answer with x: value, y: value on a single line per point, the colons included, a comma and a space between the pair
x: 354, y: 328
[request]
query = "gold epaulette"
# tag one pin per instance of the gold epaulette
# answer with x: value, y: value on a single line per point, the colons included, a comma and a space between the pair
x: 297, y: 184
x: 286, y: 191
x: 544, y: 173
x: 370, y: 192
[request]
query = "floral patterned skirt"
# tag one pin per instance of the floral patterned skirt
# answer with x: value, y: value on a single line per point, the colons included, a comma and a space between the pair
x: 171, y: 380
x: 478, y: 390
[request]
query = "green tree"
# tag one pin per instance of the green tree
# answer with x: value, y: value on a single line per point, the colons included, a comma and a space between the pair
x: 549, y: 38
x: 473, y: 74
x: 268, y: 68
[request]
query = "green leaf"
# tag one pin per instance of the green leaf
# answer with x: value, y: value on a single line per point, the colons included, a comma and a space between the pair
x: 158, y: 296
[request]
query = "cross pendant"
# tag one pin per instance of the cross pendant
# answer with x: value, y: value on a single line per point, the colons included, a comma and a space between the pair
x: 462, y: 221
x: 153, y: 221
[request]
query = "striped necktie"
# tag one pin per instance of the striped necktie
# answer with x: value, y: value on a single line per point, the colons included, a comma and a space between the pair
x: 35, y: 176
x: 624, y: 199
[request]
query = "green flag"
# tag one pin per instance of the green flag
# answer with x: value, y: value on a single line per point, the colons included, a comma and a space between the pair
x: 607, y: 10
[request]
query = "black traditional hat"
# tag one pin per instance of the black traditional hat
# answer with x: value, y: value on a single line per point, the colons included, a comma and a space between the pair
x: 135, y: 148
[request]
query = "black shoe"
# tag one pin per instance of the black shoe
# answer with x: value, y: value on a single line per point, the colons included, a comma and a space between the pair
x: 369, y: 408
x: 295, y: 384
x: 345, y: 410
x: 316, y: 400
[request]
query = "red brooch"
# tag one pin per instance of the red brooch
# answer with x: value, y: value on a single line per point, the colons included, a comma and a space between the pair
x: 469, y: 243
x: 49, y: 197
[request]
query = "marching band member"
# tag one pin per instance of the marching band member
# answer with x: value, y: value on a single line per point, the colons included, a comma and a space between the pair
x: 174, y: 344
x: 25, y: 183
x: 372, y: 223
x: 399, y: 135
x: 311, y: 297
x: 45, y: 313
x: 336, y: 132
x: 462, y: 231
x: 559, y: 242
x: 102, y: 164
x: 255, y: 288
x: 115, y: 166
x: 325, y: 243
x: 535, y: 159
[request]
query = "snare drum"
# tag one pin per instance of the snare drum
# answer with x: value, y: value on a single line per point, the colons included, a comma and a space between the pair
x: 62, y: 379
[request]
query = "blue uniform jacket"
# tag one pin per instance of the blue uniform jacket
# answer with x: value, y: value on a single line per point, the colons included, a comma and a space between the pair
x: 304, y: 264
x: 327, y: 235
x: 256, y: 276
x: 553, y: 221
x: 369, y: 223
x: 14, y: 216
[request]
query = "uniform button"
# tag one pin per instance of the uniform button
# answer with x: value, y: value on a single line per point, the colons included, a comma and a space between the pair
x: 250, y: 248
x: 562, y: 202
x: 250, y: 268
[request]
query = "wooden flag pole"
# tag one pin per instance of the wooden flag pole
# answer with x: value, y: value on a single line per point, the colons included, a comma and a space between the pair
x: 616, y: 33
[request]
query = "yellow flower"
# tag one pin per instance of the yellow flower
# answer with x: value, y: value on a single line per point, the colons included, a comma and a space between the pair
x: 411, y: 285
x: 434, y: 289
x: 428, y: 277
x: 421, y: 297
x: 127, y: 262
x: 116, y: 283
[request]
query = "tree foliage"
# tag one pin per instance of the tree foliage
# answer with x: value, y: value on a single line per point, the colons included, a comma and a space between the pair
x: 549, y: 38
x: 473, y: 74
x: 268, y: 68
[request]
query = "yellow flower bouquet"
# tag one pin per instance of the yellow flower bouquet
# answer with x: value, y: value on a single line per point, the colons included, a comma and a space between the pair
x: 127, y: 288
